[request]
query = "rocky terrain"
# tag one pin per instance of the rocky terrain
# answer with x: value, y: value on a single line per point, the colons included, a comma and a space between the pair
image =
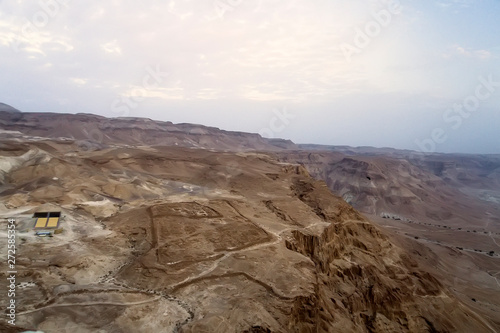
x: 443, y: 208
x: 438, y: 187
x: 159, y: 237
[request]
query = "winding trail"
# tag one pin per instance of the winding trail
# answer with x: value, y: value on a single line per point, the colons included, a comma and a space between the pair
x: 90, y: 304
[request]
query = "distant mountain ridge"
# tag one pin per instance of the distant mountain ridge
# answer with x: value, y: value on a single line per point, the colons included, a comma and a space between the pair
x: 7, y: 108
x: 99, y: 130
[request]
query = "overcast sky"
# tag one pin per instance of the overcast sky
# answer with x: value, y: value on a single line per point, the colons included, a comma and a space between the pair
x: 421, y: 75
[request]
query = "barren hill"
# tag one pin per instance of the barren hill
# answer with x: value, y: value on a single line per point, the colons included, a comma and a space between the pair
x: 172, y: 238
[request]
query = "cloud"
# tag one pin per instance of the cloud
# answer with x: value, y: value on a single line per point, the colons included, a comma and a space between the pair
x: 483, y: 54
x: 112, y: 47
x: 139, y: 93
x: 457, y: 50
x: 79, y: 81
x: 257, y: 50
x: 453, y: 4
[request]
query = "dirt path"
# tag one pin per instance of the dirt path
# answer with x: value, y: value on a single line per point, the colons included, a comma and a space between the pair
x: 425, y: 240
x: 90, y: 304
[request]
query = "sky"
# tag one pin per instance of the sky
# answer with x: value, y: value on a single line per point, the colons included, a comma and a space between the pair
x: 419, y: 75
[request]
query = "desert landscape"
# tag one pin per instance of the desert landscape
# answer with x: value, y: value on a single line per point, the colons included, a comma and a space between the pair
x: 442, y: 208
x: 185, y: 228
x: 228, y: 166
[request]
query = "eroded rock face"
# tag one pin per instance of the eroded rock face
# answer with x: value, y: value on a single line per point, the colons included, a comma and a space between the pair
x: 365, y: 284
x: 442, y: 208
x: 183, y: 240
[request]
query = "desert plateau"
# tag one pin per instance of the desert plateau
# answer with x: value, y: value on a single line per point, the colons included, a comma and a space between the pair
x: 185, y: 228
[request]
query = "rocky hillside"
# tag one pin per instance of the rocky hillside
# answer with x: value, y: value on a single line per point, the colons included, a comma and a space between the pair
x: 177, y: 239
x: 442, y: 208
x: 439, y: 187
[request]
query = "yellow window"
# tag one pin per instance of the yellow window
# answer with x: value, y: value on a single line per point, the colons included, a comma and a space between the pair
x: 53, y: 222
x: 41, y: 222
